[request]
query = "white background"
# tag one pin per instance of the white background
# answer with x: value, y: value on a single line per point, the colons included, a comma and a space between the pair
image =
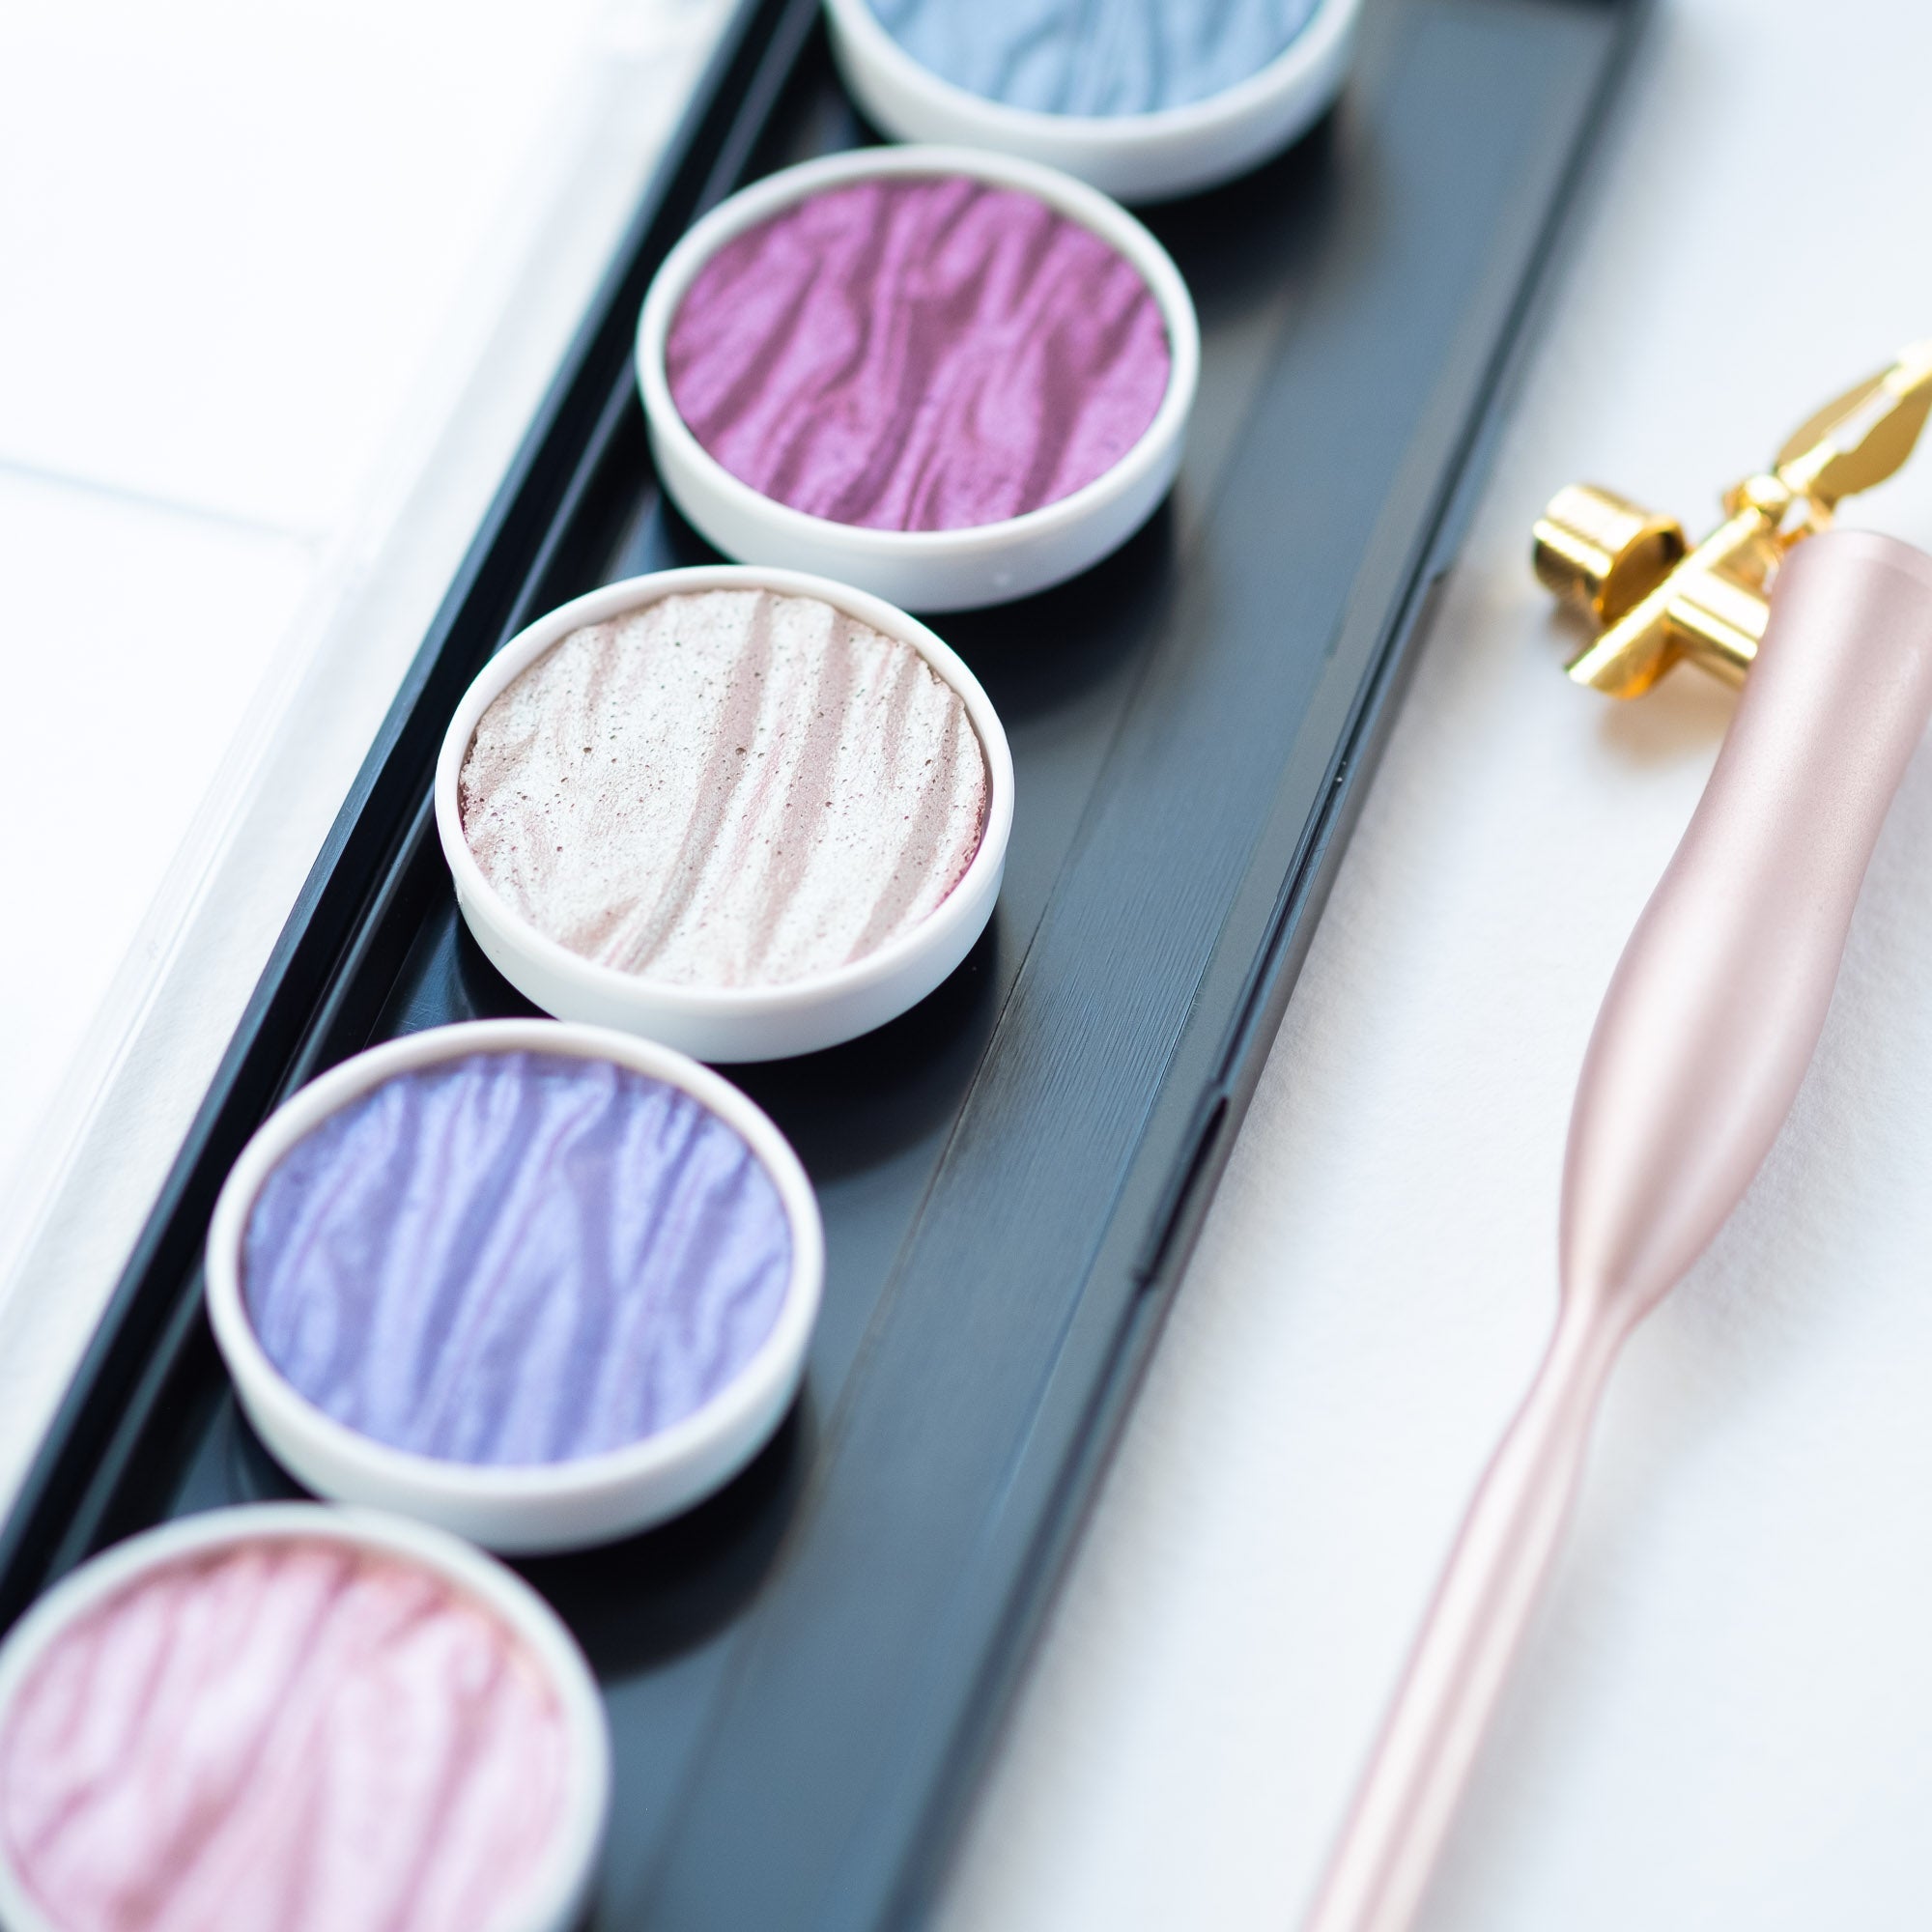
x: 249, y: 250
x: 233, y: 236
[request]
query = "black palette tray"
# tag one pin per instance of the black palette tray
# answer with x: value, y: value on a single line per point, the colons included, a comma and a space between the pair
x: 803, y: 1674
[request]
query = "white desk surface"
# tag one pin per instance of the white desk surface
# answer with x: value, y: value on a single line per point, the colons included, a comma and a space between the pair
x: 1724, y: 1717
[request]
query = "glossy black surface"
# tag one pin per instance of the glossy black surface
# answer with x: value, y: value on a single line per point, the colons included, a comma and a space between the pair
x: 803, y: 1674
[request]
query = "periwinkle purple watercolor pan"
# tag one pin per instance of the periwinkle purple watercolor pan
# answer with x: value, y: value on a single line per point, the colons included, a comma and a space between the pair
x: 541, y: 1285
x: 515, y: 1258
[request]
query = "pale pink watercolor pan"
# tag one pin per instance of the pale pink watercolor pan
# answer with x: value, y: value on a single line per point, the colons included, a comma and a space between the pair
x: 298, y: 1719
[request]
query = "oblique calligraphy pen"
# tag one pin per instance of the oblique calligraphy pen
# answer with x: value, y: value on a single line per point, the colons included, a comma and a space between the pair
x: 1710, y: 1020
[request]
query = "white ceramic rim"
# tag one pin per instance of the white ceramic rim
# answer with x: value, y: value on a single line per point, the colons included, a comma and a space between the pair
x: 623, y: 1489
x: 1086, y: 206
x: 563, y: 1881
x: 1282, y: 101
x: 660, y: 1004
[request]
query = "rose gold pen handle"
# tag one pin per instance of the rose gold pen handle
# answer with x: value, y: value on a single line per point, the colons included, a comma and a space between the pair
x: 1457, y: 1669
x: 1704, y: 1035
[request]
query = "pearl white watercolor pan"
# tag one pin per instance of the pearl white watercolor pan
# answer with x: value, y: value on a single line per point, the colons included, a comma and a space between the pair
x: 541, y: 1286
x: 1145, y: 153
x: 661, y: 896
x: 295, y: 1699
x: 948, y: 376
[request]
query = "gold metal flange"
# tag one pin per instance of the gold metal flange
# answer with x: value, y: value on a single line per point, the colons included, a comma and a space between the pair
x: 1656, y: 599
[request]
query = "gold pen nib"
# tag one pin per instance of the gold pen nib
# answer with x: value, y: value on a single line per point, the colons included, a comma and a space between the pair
x: 1865, y: 435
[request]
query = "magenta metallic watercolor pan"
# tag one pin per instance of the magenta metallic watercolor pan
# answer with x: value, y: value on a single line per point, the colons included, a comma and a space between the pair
x: 945, y: 377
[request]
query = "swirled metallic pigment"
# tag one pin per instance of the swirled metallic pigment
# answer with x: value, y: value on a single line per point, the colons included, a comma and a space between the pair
x: 730, y: 789
x: 918, y: 354
x: 1095, y: 57
x: 286, y: 1736
x: 515, y: 1258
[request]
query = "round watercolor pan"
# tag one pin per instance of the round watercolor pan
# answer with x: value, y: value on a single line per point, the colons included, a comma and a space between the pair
x: 1134, y: 98
x: 543, y: 1285
x: 672, y: 904
x: 294, y: 1715
x: 948, y: 376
